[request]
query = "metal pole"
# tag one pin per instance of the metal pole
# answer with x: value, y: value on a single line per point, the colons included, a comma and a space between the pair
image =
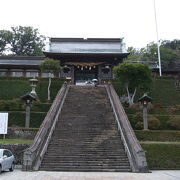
x: 158, y: 45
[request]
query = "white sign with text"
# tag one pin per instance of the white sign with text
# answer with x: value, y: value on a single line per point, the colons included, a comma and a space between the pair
x: 3, y: 123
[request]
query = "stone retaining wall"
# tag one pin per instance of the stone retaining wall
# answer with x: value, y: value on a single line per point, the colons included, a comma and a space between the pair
x: 17, y: 150
x: 20, y: 133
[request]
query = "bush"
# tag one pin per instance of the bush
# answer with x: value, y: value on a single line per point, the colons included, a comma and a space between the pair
x: 135, y: 107
x: 137, y: 121
x: 164, y: 121
x: 139, y: 125
x: 153, y: 122
x: 174, y: 122
x: 137, y: 117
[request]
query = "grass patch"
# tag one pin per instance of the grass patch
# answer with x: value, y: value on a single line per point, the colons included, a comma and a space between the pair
x: 16, y: 141
x: 159, y: 142
x: 158, y: 135
x: 162, y: 155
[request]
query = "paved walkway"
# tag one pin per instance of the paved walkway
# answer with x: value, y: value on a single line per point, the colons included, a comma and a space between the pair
x: 45, y: 175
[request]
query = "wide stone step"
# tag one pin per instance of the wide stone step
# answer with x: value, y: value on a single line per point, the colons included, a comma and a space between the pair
x: 69, y: 169
x: 60, y: 164
x: 85, y: 152
x: 86, y: 157
x: 106, y: 132
x: 90, y: 148
x: 70, y: 162
x: 79, y: 141
x: 88, y: 168
x: 92, y: 155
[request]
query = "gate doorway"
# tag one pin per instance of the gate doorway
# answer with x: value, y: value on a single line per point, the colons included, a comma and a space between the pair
x: 85, y: 73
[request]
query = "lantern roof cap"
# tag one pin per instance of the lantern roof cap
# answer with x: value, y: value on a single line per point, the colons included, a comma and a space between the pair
x: 29, y: 96
x: 145, y: 97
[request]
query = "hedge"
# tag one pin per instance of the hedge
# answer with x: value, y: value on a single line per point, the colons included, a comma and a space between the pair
x: 163, y: 120
x: 18, y: 119
x: 162, y: 155
x: 162, y: 91
x: 171, y: 110
x: 13, y: 88
x: 158, y: 135
x: 18, y: 105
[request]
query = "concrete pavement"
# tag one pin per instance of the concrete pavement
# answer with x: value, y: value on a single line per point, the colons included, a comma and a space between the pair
x: 46, y: 175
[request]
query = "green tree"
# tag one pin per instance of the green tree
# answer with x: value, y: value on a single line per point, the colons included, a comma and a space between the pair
x: 22, y: 41
x: 174, y: 44
x: 50, y: 66
x: 5, y: 39
x: 134, y: 55
x: 133, y: 76
x: 168, y: 50
x: 26, y: 41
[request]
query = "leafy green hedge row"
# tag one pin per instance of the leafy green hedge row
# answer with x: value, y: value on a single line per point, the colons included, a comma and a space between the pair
x: 174, y: 110
x: 162, y: 91
x: 14, y: 88
x: 18, y: 119
x: 162, y: 155
x: 158, y: 135
x: 164, y: 119
x: 17, y: 105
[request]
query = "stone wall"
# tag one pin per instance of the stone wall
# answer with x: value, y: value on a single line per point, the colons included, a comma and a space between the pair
x: 16, y: 149
x: 20, y: 133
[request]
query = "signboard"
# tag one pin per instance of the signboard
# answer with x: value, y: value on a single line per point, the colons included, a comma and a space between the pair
x: 3, y: 123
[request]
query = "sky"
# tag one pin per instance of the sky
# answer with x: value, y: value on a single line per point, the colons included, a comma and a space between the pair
x: 132, y: 20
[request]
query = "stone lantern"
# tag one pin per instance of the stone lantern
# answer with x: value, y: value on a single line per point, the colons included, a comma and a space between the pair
x: 145, y: 99
x: 33, y: 84
x: 28, y: 98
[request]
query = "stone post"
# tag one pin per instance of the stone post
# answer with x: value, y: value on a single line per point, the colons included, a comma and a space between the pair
x: 145, y: 120
x: 28, y: 108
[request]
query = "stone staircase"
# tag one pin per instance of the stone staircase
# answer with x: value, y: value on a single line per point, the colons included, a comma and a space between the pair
x: 86, y: 136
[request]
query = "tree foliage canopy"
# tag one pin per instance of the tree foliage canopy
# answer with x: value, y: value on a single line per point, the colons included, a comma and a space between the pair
x: 22, y: 41
x: 5, y: 38
x: 133, y: 75
x: 169, y: 51
x: 50, y: 66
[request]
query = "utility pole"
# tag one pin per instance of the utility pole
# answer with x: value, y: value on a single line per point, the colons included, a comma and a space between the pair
x: 158, y: 44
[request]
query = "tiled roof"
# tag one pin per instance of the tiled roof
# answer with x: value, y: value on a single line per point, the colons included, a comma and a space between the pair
x: 87, y: 46
x: 20, y: 60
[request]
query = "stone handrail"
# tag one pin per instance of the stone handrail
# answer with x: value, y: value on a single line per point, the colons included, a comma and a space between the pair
x: 135, y: 153
x: 32, y: 156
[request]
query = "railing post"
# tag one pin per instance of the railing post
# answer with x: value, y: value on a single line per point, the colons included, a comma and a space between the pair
x: 27, y: 161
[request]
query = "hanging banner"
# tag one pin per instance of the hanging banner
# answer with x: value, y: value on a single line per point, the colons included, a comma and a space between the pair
x: 3, y: 123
